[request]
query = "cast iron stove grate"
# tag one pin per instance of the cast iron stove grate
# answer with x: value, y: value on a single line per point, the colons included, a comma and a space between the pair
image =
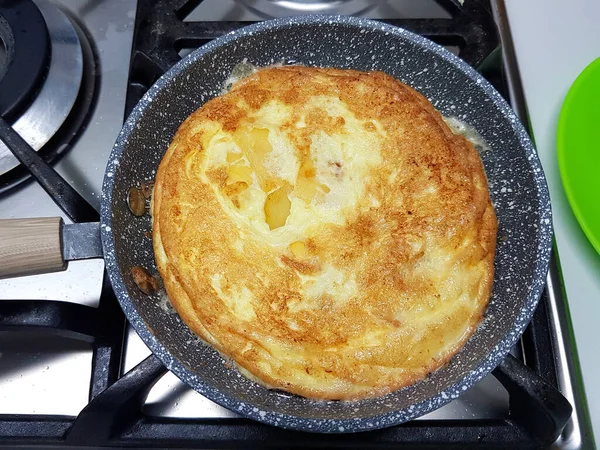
x: 114, y: 416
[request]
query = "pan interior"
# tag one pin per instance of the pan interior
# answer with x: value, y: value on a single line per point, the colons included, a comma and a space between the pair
x: 516, y: 184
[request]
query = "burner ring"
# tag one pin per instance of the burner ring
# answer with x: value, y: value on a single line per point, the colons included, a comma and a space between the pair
x: 55, y: 99
x: 281, y: 8
x: 27, y: 52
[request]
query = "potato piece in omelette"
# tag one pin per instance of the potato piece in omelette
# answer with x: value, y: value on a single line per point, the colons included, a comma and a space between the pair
x: 326, y: 230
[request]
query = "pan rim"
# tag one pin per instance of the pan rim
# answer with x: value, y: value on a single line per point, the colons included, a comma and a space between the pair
x: 483, y: 368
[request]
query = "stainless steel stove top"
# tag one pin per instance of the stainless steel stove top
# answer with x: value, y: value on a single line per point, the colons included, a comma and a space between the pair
x: 51, y: 376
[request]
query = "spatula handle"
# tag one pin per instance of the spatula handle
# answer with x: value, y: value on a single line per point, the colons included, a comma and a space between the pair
x: 30, y: 246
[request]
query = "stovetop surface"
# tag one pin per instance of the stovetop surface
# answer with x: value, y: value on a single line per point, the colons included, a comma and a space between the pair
x: 51, y: 375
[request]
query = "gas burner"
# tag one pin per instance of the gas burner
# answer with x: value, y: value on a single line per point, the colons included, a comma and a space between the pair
x: 25, y: 55
x: 279, y: 8
x: 46, y: 81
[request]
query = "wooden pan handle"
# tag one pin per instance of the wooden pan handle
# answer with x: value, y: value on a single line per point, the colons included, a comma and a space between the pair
x: 30, y: 246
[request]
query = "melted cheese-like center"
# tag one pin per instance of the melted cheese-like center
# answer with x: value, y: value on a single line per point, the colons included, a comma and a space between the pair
x: 285, y: 194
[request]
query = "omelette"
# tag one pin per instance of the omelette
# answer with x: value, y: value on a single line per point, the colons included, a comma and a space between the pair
x: 326, y: 231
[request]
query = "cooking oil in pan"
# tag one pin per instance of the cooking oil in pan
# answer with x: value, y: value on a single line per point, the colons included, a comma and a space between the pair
x: 468, y: 132
x: 245, y: 69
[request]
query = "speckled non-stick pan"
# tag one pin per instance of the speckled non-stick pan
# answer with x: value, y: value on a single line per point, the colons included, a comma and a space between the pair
x: 516, y: 182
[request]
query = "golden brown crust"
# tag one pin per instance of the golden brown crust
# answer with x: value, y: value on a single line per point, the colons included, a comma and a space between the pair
x: 394, y: 265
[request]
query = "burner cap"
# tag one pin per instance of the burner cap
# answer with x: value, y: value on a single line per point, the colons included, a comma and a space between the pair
x: 24, y: 55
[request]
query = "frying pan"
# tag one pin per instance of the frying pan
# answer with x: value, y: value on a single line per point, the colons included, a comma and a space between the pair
x: 517, y: 185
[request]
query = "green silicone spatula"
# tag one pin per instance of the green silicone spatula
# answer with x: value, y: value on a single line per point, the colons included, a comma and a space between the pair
x: 578, y: 145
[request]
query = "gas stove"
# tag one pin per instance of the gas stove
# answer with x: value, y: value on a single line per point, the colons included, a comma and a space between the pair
x: 73, y: 373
